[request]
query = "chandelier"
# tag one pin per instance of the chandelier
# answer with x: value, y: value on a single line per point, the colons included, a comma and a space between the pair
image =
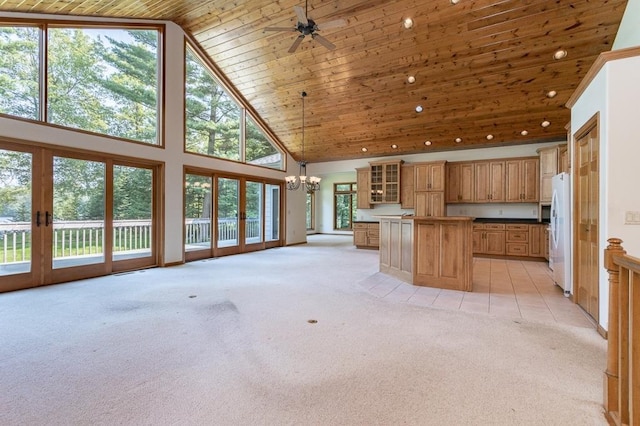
x: 309, y: 183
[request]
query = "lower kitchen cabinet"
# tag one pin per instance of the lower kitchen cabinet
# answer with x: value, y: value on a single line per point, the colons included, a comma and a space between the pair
x: 509, y: 239
x: 489, y: 238
x: 366, y: 235
x: 517, y: 240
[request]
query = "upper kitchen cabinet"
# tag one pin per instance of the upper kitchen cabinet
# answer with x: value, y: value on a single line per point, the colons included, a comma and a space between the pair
x: 429, y: 176
x: 459, y: 183
x: 385, y: 182
x: 548, y: 169
x: 363, y: 176
x: 522, y: 180
x: 407, y: 199
x: 489, y: 179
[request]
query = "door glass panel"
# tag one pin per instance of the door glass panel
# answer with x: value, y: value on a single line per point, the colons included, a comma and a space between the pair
x: 78, y: 212
x: 15, y: 212
x: 253, y: 222
x: 197, y: 212
x: 272, y: 213
x: 132, y: 212
x: 228, y: 202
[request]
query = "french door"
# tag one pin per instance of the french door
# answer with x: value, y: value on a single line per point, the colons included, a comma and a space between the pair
x: 226, y: 214
x: 65, y: 216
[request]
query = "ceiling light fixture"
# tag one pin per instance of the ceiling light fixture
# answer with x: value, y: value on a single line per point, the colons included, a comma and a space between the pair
x: 411, y: 79
x: 419, y: 108
x: 489, y: 137
x: 455, y: 1
x: 311, y: 184
x: 545, y: 123
x: 524, y: 133
x: 407, y: 23
x: 394, y: 146
x: 560, y: 54
x: 551, y: 94
x: 458, y: 140
x: 363, y: 149
x: 428, y: 143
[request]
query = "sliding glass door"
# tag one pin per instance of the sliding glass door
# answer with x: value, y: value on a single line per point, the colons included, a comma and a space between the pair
x: 65, y: 216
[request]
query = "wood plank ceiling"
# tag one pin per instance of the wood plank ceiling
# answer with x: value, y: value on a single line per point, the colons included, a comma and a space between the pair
x: 481, y: 67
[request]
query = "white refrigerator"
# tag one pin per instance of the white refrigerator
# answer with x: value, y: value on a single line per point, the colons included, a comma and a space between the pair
x: 560, y: 235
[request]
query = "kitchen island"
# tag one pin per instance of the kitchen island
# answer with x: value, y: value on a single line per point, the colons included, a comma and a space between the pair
x: 428, y: 251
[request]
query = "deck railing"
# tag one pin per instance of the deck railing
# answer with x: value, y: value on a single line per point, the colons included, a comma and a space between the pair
x: 622, y: 377
x: 81, y: 238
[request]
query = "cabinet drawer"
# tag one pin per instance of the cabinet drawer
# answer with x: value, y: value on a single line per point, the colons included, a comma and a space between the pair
x: 511, y: 227
x: 373, y: 233
x: 357, y: 225
x: 477, y: 226
x: 494, y: 226
x: 517, y: 249
x: 517, y: 236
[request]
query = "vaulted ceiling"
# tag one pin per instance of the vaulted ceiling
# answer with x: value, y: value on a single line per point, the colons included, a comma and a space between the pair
x: 484, y: 70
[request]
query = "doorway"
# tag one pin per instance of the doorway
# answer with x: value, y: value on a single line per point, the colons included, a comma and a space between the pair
x: 586, y: 206
x: 68, y: 215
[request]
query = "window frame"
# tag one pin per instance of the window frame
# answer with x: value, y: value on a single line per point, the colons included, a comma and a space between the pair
x: 353, y: 203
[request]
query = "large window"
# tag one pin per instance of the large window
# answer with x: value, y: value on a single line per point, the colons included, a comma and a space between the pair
x: 345, y: 205
x: 102, y: 80
x: 217, y: 126
x: 311, y: 201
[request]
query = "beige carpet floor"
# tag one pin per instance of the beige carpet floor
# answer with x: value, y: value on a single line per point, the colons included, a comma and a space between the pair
x: 286, y: 336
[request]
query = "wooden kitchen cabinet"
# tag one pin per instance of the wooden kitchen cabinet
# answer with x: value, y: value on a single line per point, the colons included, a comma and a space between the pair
x: 429, y: 176
x: 459, y: 183
x: 489, y: 181
x: 522, y: 180
x: 548, y: 169
x: 385, y: 183
x: 429, y: 204
x: 563, y: 159
x: 363, y: 191
x: 366, y: 235
x: 538, y: 240
x: 407, y: 191
x: 517, y: 240
x: 489, y: 238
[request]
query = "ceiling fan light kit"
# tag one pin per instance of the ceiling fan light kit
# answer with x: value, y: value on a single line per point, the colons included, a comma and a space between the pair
x: 308, y: 27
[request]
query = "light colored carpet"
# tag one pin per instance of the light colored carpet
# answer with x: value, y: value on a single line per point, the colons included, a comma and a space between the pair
x: 228, y: 342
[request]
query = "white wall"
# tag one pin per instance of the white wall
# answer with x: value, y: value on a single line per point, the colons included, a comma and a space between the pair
x: 344, y: 171
x: 629, y: 32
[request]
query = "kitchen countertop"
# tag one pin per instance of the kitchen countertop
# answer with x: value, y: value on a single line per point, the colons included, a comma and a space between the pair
x: 366, y: 221
x: 506, y: 220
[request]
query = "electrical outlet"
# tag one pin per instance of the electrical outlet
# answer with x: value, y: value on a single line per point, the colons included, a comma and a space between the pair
x: 500, y: 212
x: 534, y: 211
x: 632, y: 218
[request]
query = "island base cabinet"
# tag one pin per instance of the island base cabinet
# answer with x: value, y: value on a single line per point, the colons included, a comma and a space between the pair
x: 443, y: 255
x: 396, y: 240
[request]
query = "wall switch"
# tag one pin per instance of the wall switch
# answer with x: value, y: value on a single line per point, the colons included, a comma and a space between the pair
x: 632, y: 218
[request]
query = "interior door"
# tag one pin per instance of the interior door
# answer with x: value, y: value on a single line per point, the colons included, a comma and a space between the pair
x: 587, y: 221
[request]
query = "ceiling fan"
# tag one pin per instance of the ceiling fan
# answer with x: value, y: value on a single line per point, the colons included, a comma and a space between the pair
x: 308, y: 27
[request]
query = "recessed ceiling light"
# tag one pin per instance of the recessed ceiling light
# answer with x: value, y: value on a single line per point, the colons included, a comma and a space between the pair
x: 419, y: 108
x: 411, y: 79
x: 545, y: 123
x: 364, y: 149
x: 455, y: 1
x: 551, y: 94
x: 408, y: 23
x: 489, y: 137
x: 560, y: 54
x: 428, y: 143
x: 524, y: 133
x: 458, y: 140
x: 394, y: 146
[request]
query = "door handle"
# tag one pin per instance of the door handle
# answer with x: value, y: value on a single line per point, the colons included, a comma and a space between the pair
x: 38, y: 218
x: 46, y: 218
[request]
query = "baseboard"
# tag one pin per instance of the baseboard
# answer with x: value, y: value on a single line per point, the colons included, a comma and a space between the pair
x: 601, y: 331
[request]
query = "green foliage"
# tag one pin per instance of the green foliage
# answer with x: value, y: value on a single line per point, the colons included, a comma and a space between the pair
x: 19, y: 85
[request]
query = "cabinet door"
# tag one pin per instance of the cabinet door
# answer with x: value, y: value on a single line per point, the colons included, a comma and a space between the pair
x: 548, y: 169
x: 466, y: 183
x: 495, y: 242
x: 483, y: 187
x: 360, y: 237
x: 406, y: 191
x: 429, y: 203
x: 392, y: 183
x: 421, y: 177
x: 496, y: 181
x: 530, y: 181
x: 363, y: 192
x: 478, y: 239
x: 454, y: 180
x: 436, y: 177
x: 376, y: 184
x: 536, y: 239
x: 512, y: 185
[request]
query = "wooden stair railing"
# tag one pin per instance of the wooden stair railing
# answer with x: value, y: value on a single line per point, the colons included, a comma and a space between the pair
x: 622, y: 377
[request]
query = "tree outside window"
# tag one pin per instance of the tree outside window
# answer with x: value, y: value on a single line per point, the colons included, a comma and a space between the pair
x: 345, y: 206
x: 311, y: 202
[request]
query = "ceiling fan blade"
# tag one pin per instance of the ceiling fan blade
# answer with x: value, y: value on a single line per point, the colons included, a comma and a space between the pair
x: 279, y: 29
x: 302, y: 17
x: 323, y: 41
x: 296, y: 43
x: 337, y: 23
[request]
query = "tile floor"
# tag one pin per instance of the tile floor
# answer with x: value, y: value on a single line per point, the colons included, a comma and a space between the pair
x: 501, y: 288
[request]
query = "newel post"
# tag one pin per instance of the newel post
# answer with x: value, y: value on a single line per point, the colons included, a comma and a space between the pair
x: 611, y: 376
